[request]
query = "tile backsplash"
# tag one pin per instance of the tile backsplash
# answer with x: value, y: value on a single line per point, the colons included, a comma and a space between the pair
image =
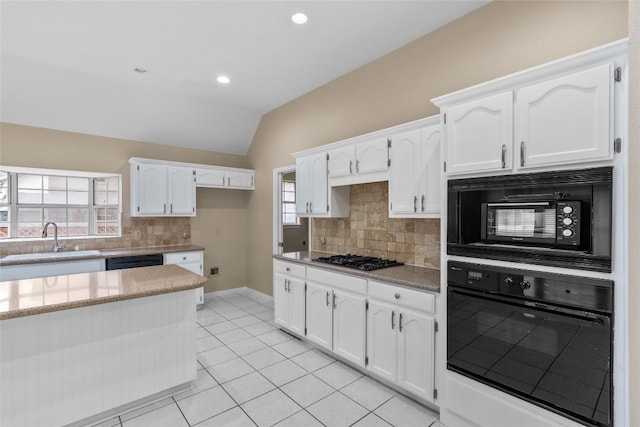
x: 369, y: 230
x: 153, y: 232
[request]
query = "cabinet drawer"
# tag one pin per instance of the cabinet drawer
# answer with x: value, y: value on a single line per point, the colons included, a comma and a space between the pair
x: 290, y: 269
x: 422, y: 301
x: 337, y: 280
x: 182, y: 257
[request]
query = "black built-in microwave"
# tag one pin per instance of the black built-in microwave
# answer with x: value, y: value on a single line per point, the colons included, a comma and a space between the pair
x: 560, y: 218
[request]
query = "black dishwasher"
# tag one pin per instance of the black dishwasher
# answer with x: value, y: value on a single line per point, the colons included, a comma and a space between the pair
x: 119, y: 263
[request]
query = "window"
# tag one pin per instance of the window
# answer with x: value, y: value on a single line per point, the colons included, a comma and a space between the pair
x: 289, y: 216
x: 80, y: 203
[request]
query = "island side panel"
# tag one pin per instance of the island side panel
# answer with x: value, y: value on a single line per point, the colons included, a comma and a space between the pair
x: 61, y: 367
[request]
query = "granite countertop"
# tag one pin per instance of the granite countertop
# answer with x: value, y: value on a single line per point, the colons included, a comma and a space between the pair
x: 48, y: 294
x: 413, y: 276
x: 107, y: 253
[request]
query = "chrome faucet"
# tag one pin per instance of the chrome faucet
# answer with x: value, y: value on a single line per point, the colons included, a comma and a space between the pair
x: 56, y: 246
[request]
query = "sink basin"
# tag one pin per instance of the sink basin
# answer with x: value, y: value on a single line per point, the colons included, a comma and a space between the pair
x: 50, y: 255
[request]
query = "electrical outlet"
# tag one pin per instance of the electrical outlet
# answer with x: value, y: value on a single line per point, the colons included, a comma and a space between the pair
x: 137, y: 235
x: 214, y: 271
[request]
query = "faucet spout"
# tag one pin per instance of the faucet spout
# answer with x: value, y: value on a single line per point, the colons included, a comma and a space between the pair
x: 56, y: 246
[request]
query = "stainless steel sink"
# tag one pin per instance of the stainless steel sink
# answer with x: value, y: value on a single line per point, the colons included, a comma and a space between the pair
x: 50, y: 255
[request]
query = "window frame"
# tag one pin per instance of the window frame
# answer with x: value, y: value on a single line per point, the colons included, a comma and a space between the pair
x: 284, y: 203
x: 13, y: 202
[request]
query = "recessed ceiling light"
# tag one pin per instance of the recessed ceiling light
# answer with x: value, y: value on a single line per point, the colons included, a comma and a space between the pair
x: 140, y: 70
x: 223, y: 80
x: 299, y: 18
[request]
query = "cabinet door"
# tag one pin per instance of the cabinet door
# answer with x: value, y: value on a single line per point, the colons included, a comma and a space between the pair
x: 182, y: 191
x: 416, y: 353
x: 372, y: 156
x: 381, y: 339
x: 281, y: 300
x: 429, y: 170
x: 210, y: 177
x: 304, y: 184
x: 320, y: 184
x: 480, y: 135
x: 342, y: 161
x: 405, y: 161
x: 349, y: 316
x: 565, y: 120
x: 296, y: 305
x: 152, y: 189
x: 239, y: 179
x: 319, y: 315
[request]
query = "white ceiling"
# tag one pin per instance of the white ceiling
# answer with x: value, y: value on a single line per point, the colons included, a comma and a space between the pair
x: 69, y: 65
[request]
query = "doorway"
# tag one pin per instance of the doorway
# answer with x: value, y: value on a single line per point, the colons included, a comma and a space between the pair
x: 291, y: 232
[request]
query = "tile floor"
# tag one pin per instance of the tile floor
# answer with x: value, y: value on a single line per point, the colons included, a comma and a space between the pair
x: 250, y: 373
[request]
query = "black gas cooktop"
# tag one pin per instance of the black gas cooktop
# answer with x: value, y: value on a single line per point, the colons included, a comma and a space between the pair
x: 364, y: 263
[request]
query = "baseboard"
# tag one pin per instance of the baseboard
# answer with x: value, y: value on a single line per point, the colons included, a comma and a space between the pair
x: 243, y: 290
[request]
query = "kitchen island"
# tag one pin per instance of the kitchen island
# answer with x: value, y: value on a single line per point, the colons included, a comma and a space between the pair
x: 74, y: 348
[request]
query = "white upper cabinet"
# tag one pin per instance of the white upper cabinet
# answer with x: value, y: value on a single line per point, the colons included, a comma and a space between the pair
x: 150, y: 184
x: 556, y: 115
x: 182, y: 192
x: 480, y: 135
x: 219, y: 177
x: 313, y: 195
x: 161, y: 190
x: 565, y: 120
x: 359, y: 162
x: 414, y: 175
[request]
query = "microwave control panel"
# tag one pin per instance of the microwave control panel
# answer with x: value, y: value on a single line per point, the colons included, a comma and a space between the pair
x: 568, y: 223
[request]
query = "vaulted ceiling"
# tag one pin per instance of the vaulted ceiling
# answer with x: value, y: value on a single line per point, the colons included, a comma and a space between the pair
x: 71, y: 65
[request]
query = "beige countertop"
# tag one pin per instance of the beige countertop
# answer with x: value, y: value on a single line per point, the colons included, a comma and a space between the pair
x: 413, y: 276
x: 107, y: 253
x: 47, y: 294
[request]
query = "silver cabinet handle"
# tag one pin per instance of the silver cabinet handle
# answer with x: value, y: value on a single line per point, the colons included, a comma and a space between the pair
x: 423, y: 203
x: 393, y: 315
x: 184, y: 258
x: 357, y: 166
x: 307, y: 207
x: 415, y: 203
x: 327, y: 299
x: 164, y: 208
x: 285, y: 284
x: 521, y: 153
x: 334, y: 301
x: 288, y: 269
x: 171, y: 207
x: 397, y: 296
x: 350, y: 166
x: 310, y: 207
x: 504, y: 156
x: 400, y: 323
x: 229, y: 181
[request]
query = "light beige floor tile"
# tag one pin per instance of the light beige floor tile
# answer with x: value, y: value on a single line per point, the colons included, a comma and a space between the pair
x: 270, y: 408
x: 337, y: 410
x: 206, y: 404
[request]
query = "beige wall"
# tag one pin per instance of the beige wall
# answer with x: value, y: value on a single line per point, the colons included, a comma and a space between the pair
x: 495, y: 40
x: 220, y: 226
x: 634, y: 208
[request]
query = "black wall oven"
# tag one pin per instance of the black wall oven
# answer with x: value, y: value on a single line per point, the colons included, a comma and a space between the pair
x: 546, y: 338
x: 560, y: 219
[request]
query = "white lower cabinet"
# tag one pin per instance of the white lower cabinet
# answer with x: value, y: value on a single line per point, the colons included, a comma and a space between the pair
x: 192, y: 261
x: 289, y: 296
x: 401, y: 337
x: 336, y: 313
x: 388, y: 329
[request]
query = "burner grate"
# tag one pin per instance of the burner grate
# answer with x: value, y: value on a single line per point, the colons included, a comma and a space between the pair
x: 359, y: 262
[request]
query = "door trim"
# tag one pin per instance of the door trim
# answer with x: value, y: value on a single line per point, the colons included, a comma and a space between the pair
x: 277, y: 206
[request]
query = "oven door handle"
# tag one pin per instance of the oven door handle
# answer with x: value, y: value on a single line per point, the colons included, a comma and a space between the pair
x: 508, y: 205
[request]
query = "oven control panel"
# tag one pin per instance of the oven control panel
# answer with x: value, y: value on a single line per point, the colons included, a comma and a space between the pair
x: 574, y: 291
